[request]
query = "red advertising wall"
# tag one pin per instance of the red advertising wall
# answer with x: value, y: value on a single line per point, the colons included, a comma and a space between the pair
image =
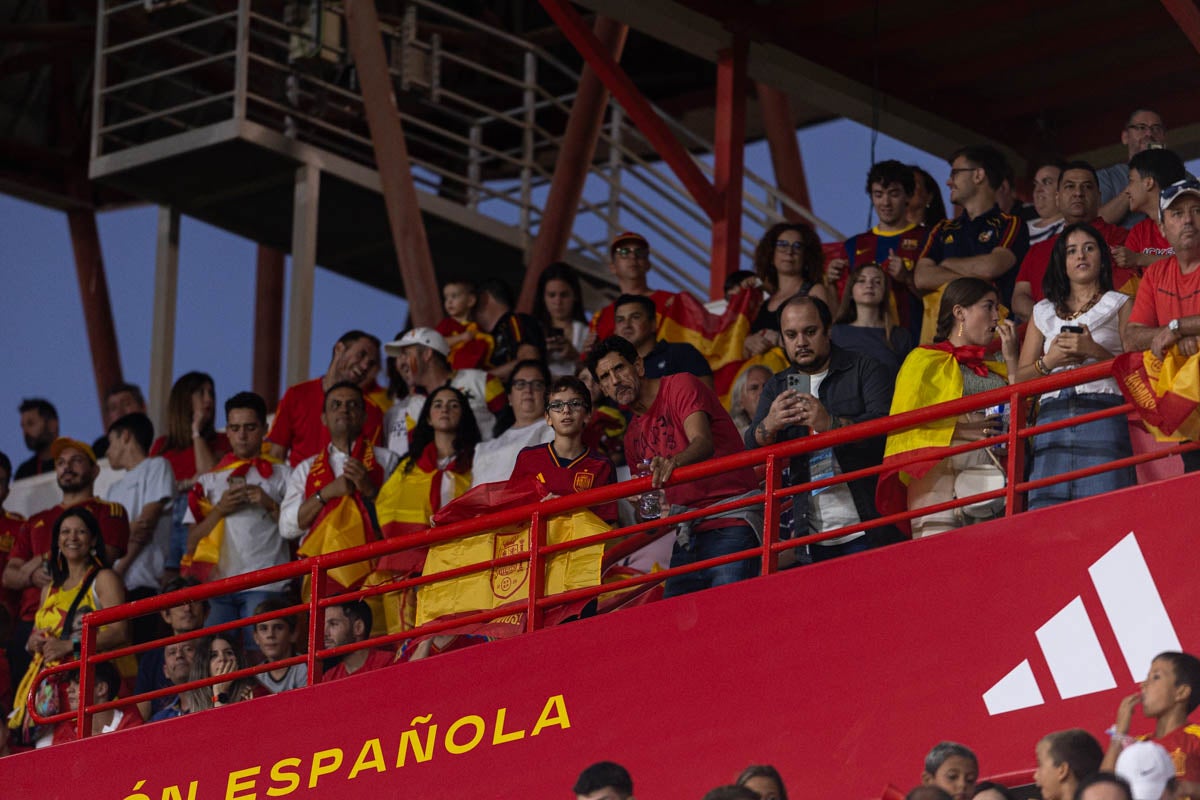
x: 842, y: 675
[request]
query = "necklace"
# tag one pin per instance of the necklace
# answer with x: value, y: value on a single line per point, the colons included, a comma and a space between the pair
x: 1086, y: 308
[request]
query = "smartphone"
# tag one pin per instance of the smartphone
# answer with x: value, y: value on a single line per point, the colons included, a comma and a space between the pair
x: 237, y: 481
x: 799, y: 382
x: 557, y: 333
x: 1071, y: 329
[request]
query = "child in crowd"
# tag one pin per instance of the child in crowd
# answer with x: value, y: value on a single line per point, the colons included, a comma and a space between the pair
x: 953, y: 768
x: 468, y: 348
x: 276, y: 639
x: 1064, y: 759
x: 566, y: 465
x: 1170, y: 692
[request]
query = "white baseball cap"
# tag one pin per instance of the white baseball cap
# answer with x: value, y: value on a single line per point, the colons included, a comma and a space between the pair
x: 1147, y: 766
x: 423, y: 336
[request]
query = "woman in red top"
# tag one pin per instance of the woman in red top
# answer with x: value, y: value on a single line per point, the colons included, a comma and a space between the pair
x: 192, y: 446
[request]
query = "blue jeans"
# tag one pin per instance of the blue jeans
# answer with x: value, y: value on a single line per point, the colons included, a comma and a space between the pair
x: 240, y: 605
x: 710, y: 544
x: 1078, y: 447
x: 824, y: 552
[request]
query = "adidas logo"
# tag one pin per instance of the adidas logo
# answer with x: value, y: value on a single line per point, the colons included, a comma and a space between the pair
x: 1068, y: 640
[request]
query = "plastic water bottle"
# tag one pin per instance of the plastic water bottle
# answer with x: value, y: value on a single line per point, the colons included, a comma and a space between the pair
x: 650, y: 503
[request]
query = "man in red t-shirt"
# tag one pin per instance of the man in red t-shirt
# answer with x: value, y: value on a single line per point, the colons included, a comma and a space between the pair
x: 347, y: 623
x: 1166, y: 310
x: 678, y: 421
x: 1149, y: 172
x: 1078, y: 199
x: 26, y: 571
x: 297, y: 431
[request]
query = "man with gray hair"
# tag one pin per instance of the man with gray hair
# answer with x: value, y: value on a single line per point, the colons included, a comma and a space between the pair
x: 1143, y: 131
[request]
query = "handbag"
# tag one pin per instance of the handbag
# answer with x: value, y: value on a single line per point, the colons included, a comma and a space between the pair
x: 978, y: 479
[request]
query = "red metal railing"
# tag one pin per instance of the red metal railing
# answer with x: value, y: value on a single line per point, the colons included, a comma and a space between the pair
x: 633, y: 537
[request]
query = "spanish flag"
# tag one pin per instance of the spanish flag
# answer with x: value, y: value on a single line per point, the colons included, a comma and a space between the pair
x: 1165, y: 393
x: 499, y: 586
x: 344, y: 521
x: 200, y: 562
x: 930, y: 375
x: 718, y: 337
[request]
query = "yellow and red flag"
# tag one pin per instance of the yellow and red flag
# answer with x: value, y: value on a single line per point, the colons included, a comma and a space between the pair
x: 498, y: 586
x: 344, y: 521
x: 718, y: 337
x: 1165, y: 393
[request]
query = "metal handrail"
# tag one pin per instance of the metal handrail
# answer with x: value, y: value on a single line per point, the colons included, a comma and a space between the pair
x: 460, y: 124
x: 771, y: 458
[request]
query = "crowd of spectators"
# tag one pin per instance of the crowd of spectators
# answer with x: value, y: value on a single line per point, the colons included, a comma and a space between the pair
x: 920, y: 309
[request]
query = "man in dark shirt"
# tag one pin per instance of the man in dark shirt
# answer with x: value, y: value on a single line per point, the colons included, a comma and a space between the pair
x: 844, y: 388
x: 634, y: 319
x: 982, y: 242
x: 39, y: 425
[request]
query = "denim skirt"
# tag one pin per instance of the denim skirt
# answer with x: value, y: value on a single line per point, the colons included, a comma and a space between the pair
x: 1078, y: 447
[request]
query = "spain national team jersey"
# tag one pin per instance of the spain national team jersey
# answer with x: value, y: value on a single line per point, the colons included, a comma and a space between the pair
x: 1183, y: 745
x: 562, y: 476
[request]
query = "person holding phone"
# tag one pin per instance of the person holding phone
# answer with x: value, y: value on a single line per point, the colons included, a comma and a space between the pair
x: 824, y: 387
x: 1079, y: 322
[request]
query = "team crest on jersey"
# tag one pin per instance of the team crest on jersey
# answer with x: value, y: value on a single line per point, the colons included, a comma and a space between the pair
x: 583, y: 481
x: 908, y: 244
x: 6, y: 542
x: 949, y: 238
x: 986, y: 236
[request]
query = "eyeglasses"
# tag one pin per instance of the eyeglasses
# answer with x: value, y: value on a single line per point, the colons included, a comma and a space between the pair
x: 1143, y: 128
x: 784, y: 246
x: 632, y: 252
x: 955, y: 170
x: 559, y: 406
x: 522, y: 385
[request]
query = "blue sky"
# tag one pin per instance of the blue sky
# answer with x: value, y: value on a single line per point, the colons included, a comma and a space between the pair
x: 46, y: 351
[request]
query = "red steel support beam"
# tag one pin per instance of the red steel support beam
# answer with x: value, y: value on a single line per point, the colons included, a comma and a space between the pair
x: 391, y: 160
x: 784, y: 147
x: 1187, y: 17
x: 268, y: 323
x: 97, y: 310
x: 574, y: 158
x: 729, y: 144
x: 636, y: 106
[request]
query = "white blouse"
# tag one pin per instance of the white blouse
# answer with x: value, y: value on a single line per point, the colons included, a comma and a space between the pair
x: 1101, y: 319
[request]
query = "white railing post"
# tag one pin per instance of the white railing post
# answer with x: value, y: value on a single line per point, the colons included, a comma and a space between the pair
x: 616, y: 123
x: 527, y: 150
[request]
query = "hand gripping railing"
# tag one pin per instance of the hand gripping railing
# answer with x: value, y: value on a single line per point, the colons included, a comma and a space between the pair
x: 624, y: 540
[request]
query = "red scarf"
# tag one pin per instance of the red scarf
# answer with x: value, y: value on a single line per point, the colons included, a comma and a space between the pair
x: 241, y: 466
x: 428, y: 462
x: 969, y: 356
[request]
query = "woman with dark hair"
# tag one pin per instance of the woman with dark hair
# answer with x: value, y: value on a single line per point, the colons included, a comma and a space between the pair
x: 1079, y: 322
x: 220, y: 654
x: 959, y: 363
x: 558, y: 308
x: 436, y: 470
x: 789, y: 261
x: 765, y: 780
x: 192, y: 446
x: 866, y: 320
x: 926, y: 207
x: 81, y: 580
x: 521, y: 425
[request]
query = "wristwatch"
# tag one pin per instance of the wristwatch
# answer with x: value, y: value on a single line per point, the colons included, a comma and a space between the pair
x: 1173, y: 325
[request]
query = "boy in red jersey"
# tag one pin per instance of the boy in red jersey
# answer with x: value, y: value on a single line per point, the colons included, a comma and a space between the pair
x: 566, y: 465
x: 1170, y: 692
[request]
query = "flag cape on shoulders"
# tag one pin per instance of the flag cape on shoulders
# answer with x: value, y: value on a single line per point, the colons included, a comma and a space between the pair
x: 719, y: 338
x: 199, y: 563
